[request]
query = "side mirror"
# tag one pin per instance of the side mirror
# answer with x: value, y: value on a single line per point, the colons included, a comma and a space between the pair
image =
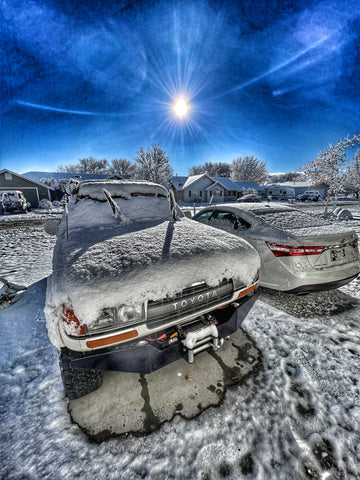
x: 51, y: 226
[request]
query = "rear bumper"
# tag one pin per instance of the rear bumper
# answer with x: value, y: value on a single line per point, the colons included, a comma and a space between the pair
x: 148, y: 358
x: 321, y: 287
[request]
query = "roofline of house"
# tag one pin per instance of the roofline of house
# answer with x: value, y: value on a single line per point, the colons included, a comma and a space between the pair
x: 4, y: 170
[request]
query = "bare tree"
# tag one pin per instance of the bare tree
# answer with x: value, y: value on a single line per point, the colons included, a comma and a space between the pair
x: 122, y: 167
x: 92, y: 165
x: 153, y: 165
x: 86, y: 165
x: 328, y: 166
x: 71, y: 168
x: 248, y: 169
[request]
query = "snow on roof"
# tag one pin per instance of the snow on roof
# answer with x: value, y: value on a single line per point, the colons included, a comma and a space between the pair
x: 64, y: 175
x: 194, y: 178
x: 294, y: 184
x: 294, y: 221
x: 178, y: 182
x: 119, y: 188
x: 5, y: 170
x: 229, y: 184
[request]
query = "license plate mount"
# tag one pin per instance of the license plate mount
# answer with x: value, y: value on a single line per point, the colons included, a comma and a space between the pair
x: 338, y: 254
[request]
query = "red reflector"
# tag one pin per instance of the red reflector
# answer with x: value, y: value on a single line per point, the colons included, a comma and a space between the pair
x: 73, y: 325
x: 290, y: 251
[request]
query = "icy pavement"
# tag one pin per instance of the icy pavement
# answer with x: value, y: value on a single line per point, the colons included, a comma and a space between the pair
x: 138, y: 403
x: 298, y: 419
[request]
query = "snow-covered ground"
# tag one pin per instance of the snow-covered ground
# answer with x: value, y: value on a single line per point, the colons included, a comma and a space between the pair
x: 299, y: 418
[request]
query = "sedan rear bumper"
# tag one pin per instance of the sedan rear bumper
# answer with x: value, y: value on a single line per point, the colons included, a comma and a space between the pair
x: 321, y: 287
x: 150, y: 357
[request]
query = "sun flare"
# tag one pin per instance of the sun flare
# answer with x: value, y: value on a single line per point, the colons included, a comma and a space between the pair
x: 181, y: 108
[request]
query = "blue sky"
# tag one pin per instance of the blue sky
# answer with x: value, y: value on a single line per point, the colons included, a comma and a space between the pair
x: 274, y: 79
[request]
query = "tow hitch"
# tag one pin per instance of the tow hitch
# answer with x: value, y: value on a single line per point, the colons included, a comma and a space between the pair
x: 197, y: 341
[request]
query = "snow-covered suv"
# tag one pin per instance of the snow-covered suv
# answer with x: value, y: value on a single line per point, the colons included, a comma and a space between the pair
x: 312, y: 195
x: 136, y: 285
x: 13, y: 200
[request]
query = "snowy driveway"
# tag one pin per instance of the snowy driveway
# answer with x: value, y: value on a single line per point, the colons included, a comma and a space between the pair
x: 298, y: 419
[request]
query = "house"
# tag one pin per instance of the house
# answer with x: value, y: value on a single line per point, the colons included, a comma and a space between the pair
x: 177, y: 185
x: 292, y: 189
x: 201, y: 188
x: 33, y: 190
x: 60, y: 177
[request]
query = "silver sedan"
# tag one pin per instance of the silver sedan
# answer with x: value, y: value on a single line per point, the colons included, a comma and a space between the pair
x: 300, y: 252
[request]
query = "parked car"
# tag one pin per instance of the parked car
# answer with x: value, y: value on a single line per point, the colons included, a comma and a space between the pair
x: 250, y: 197
x: 13, y: 201
x: 311, y: 195
x: 136, y: 285
x: 300, y: 252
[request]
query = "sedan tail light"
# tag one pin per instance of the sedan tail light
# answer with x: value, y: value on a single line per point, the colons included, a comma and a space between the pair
x: 290, y: 251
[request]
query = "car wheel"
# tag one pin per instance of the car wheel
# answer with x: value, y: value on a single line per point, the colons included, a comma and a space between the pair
x: 77, y: 382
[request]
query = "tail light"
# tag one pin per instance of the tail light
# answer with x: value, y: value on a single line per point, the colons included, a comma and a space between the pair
x: 290, y: 251
x: 355, y: 243
x: 72, y: 324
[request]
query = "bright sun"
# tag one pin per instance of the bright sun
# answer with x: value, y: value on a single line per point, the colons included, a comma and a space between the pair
x: 181, y: 107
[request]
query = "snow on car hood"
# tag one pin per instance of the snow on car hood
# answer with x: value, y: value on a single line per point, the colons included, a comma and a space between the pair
x: 119, y: 264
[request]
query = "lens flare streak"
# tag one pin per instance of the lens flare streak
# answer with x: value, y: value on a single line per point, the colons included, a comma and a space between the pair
x: 65, y: 110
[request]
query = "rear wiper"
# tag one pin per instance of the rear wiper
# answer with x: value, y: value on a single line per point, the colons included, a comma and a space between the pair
x: 115, y: 207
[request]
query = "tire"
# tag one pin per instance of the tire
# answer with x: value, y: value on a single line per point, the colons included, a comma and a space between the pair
x: 77, y: 382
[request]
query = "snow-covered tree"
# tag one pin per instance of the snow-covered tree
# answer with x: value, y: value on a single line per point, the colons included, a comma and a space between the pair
x: 328, y: 166
x: 248, y: 169
x: 351, y: 178
x: 153, y: 165
x: 122, y: 167
x: 216, y: 169
x: 49, y: 182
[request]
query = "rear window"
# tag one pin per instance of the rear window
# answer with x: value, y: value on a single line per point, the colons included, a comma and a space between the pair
x: 289, y: 218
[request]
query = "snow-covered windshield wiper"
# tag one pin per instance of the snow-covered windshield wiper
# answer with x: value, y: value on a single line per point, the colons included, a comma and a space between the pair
x: 172, y: 204
x: 115, y: 207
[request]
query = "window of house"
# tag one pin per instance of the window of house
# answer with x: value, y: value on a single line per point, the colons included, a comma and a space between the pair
x: 8, y: 176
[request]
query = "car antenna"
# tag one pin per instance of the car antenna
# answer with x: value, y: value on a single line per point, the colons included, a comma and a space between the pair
x: 66, y: 215
x: 172, y: 204
x: 114, y: 206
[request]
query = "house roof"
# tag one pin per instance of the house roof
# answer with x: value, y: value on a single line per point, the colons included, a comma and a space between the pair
x: 194, y: 178
x: 236, y: 186
x: 6, y: 170
x: 178, y: 182
x: 293, y: 184
x: 65, y: 175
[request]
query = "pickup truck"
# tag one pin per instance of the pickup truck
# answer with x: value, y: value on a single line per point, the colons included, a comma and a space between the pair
x: 136, y: 285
